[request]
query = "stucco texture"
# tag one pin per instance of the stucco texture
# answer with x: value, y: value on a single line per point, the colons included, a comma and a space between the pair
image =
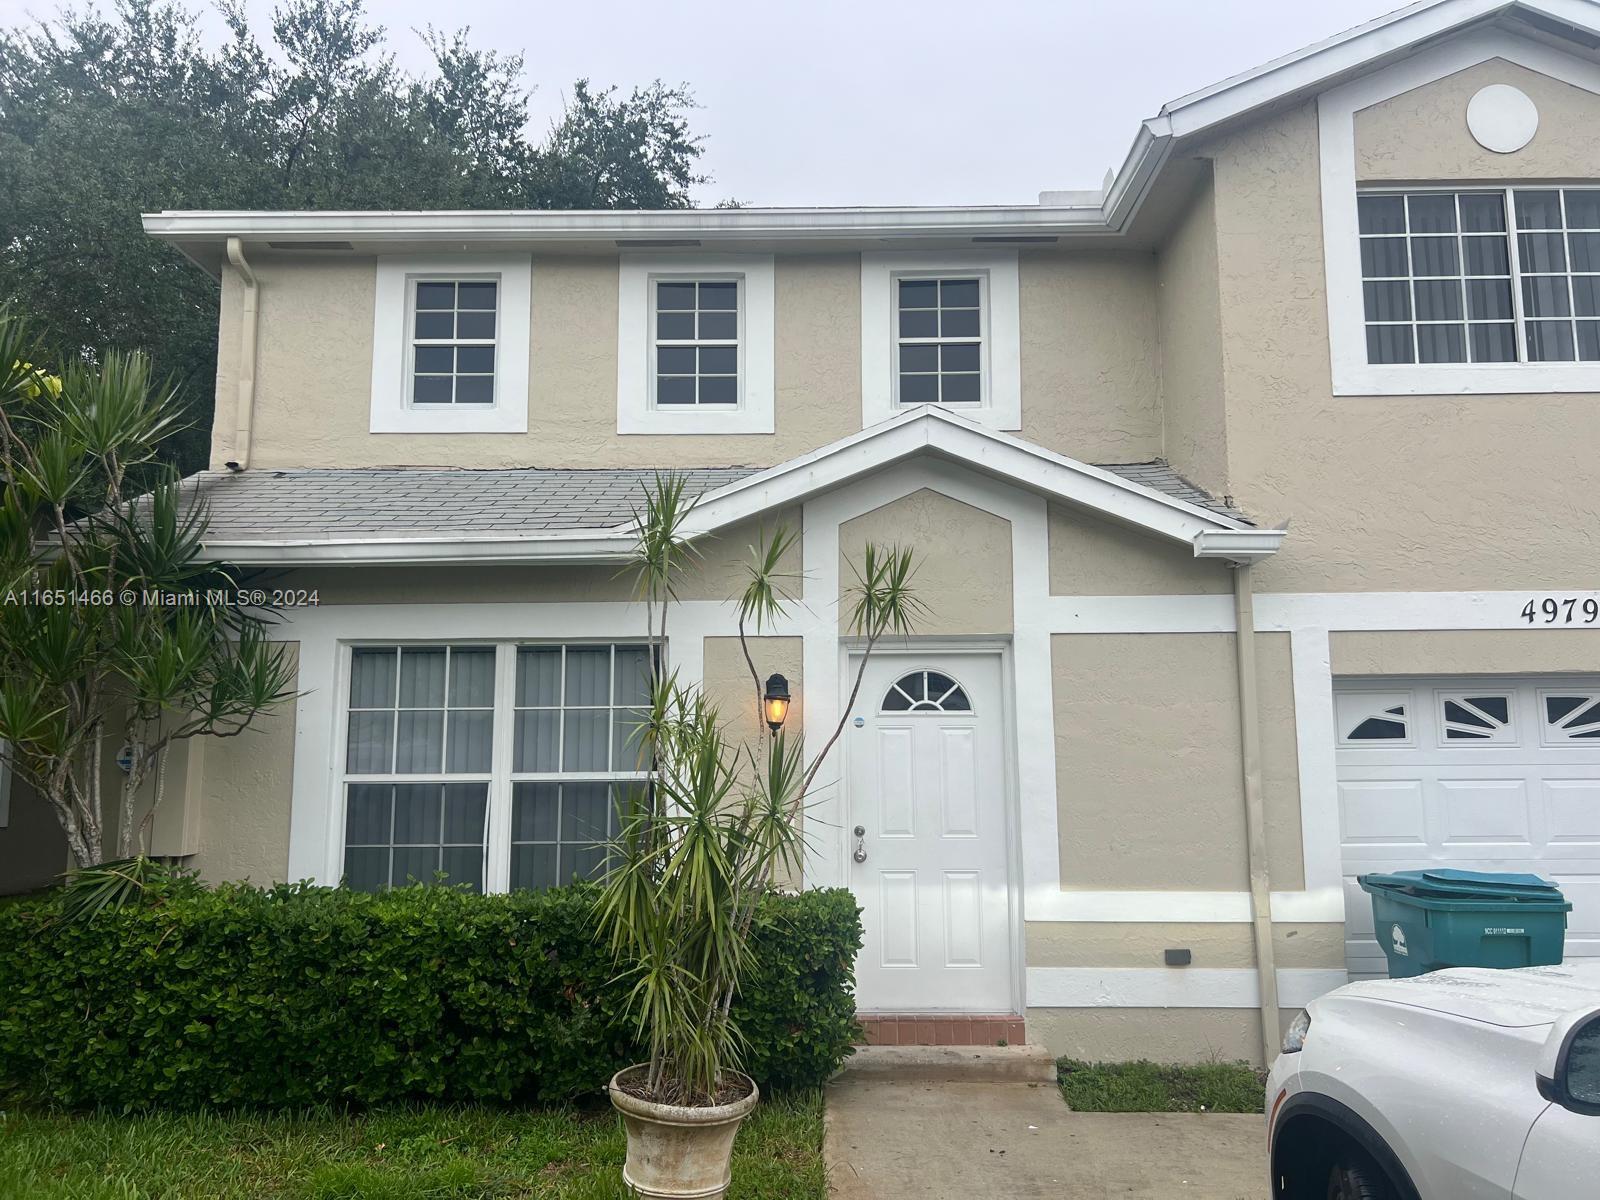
x: 314, y: 372
x: 1194, y: 434
x: 1375, y: 500
x: 1422, y: 134
x: 1091, y: 381
x: 1166, y: 1035
x: 1148, y: 776
x: 1464, y: 651
x: 244, y: 795
x: 1094, y: 557
x: 726, y: 683
x: 1121, y: 944
x: 962, y: 556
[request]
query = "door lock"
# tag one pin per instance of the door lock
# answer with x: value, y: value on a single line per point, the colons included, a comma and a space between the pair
x: 860, y: 854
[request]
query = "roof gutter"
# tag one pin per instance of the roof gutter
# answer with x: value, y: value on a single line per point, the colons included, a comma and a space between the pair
x: 244, y: 408
x: 605, y: 546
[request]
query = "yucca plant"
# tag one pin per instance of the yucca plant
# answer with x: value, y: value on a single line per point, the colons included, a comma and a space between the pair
x: 117, y: 631
x: 720, y: 819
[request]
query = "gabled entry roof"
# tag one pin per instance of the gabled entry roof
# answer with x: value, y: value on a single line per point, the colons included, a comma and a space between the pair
x: 379, y: 515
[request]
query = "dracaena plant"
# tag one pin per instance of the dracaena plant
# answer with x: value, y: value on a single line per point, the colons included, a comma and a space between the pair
x: 720, y: 821
x: 117, y: 633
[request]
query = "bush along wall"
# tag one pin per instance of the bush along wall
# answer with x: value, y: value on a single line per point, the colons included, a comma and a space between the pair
x: 304, y: 995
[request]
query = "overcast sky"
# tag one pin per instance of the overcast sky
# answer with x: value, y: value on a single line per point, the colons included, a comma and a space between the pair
x: 877, y: 102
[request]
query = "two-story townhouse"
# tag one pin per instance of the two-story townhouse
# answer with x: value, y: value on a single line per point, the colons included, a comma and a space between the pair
x: 1254, y: 496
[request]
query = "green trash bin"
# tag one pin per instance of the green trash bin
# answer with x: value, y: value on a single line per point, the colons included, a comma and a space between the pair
x: 1428, y: 920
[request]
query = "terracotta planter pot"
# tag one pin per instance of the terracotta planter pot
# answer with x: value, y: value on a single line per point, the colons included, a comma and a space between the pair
x: 675, y: 1153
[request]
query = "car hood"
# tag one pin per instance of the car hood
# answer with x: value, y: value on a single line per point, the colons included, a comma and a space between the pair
x: 1517, y: 998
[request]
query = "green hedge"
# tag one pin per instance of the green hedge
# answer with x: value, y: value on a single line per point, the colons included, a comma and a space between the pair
x: 304, y: 995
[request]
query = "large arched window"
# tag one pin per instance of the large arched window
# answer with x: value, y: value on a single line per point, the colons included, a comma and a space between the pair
x: 926, y: 691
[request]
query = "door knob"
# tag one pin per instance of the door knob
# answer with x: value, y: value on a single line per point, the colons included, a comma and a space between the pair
x: 860, y: 854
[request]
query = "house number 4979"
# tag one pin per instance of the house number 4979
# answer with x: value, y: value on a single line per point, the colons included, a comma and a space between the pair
x: 1559, y: 610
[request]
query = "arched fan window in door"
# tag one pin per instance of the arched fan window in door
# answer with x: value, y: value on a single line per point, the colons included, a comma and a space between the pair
x: 926, y: 691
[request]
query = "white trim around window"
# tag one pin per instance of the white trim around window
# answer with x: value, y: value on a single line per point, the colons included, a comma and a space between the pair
x: 637, y: 278
x: 1347, y: 335
x: 392, y: 344
x: 1000, y: 336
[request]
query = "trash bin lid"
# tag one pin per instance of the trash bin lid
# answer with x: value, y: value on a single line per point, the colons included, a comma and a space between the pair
x: 1445, y: 881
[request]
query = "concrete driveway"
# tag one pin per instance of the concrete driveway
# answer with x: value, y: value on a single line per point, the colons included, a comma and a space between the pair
x: 963, y: 1129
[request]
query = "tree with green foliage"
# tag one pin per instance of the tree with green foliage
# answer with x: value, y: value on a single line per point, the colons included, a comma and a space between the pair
x: 102, y: 118
x: 118, y: 637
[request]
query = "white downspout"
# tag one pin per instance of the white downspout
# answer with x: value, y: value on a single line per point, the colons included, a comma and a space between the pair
x: 1255, y: 814
x: 245, y: 403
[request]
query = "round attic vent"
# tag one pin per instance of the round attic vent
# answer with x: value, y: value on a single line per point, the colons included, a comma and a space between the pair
x: 1502, y: 118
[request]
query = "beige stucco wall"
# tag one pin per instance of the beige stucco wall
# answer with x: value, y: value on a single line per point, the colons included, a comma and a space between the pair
x: 246, y: 784
x: 962, y: 556
x: 1194, y: 436
x: 1422, y: 135
x: 1089, y: 360
x: 314, y: 372
x: 1118, y: 944
x: 1090, y: 556
x: 727, y: 684
x: 1169, y: 1035
x: 1385, y: 493
x: 1464, y: 651
x: 1148, y: 775
x: 1091, y: 355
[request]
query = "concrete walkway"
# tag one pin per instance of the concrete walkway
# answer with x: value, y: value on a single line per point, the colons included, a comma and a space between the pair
x: 964, y: 1129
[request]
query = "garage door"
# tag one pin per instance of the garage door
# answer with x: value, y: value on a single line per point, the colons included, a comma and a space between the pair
x: 1487, y: 774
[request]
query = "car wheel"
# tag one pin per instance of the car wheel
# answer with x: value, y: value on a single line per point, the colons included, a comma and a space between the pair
x: 1354, y: 1176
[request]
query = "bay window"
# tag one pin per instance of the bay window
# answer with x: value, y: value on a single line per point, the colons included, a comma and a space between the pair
x: 497, y: 765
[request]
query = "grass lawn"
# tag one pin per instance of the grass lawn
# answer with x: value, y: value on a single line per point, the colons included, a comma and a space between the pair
x: 1154, y: 1087
x: 463, y: 1153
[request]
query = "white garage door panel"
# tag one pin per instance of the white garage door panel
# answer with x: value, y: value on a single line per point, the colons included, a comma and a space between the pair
x: 1488, y: 774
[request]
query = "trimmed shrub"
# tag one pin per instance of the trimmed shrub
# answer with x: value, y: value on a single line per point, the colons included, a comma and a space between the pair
x: 303, y: 995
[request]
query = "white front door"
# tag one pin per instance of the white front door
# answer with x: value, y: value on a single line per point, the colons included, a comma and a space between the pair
x: 925, y: 823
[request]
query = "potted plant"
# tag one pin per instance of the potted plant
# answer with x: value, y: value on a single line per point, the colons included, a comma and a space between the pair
x: 717, y: 826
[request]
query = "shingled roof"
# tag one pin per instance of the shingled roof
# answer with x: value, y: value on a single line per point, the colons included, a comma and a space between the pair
x: 340, y: 503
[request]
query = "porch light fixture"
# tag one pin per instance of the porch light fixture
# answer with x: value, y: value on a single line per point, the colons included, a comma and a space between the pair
x: 776, y: 701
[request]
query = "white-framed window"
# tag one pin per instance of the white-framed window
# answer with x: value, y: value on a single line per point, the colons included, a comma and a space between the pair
x: 941, y: 329
x: 453, y: 329
x: 1480, y: 275
x: 1481, y: 716
x: 450, y: 344
x: 695, y: 343
x: 695, y: 327
x: 939, y: 326
x: 1353, y: 373
x: 499, y: 764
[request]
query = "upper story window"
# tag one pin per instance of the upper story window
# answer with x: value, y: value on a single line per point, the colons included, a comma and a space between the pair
x: 1481, y: 276
x: 453, y: 341
x: 450, y: 344
x: 695, y: 343
x: 940, y: 327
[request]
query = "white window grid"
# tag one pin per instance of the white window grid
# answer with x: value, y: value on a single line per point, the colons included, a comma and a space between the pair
x: 502, y: 778
x: 695, y: 344
x: 1471, y: 717
x: 1511, y: 237
x: 454, y: 343
x: 939, y: 341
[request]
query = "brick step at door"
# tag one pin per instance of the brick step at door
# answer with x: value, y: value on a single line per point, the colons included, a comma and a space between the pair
x: 922, y: 1029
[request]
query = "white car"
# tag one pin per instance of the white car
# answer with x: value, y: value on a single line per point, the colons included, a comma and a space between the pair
x: 1464, y: 1084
